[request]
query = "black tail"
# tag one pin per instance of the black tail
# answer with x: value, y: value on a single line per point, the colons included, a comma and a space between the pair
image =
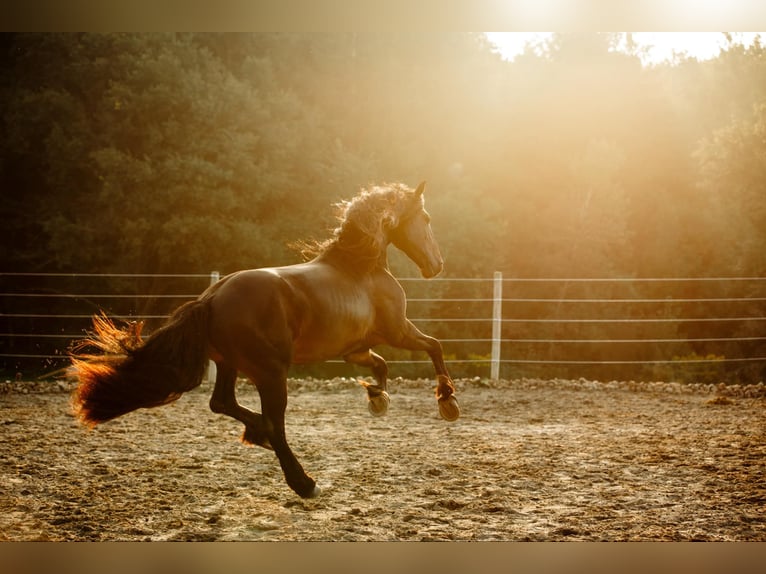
x: 132, y: 373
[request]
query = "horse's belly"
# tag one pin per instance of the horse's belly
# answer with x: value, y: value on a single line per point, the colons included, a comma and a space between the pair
x: 320, y: 342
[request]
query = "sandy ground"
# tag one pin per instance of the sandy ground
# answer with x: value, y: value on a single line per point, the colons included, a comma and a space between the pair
x: 528, y: 460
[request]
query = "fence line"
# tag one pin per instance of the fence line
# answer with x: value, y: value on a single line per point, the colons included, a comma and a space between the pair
x: 425, y: 319
x: 109, y: 275
x: 408, y: 279
x: 550, y: 300
x: 411, y: 300
x: 495, y: 344
x: 97, y: 296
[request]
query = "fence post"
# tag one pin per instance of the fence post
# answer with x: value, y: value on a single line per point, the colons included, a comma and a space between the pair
x: 497, y: 318
x: 215, y: 276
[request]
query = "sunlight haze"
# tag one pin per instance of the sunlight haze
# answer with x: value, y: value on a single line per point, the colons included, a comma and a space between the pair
x: 187, y: 153
x: 656, y: 47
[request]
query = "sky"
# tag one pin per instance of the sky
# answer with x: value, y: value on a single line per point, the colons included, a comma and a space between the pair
x: 660, y: 46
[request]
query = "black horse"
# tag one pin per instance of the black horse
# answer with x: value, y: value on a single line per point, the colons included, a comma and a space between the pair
x: 258, y: 322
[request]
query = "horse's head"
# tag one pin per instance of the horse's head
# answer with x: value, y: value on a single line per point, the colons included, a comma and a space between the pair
x: 413, y: 235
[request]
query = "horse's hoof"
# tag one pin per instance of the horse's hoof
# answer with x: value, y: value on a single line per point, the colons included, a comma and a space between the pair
x: 378, y: 405
x: 314, y: 493
x: 449, y: 409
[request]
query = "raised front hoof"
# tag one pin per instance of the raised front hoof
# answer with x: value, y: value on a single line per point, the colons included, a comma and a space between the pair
x: 449, y: 409
x: 378, y: 405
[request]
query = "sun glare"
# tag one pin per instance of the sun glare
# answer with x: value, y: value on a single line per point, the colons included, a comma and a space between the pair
x: 512, y: 44
x: 663, y: 46
x: 658, y: 46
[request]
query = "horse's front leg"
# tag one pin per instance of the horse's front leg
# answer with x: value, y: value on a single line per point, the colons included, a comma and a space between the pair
x: 415, y: 340
x: 377, y: 396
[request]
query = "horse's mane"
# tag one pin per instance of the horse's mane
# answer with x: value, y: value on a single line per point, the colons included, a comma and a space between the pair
x: 364, y: 221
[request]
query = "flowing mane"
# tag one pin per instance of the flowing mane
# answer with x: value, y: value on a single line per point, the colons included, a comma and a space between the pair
x: 365, y: 221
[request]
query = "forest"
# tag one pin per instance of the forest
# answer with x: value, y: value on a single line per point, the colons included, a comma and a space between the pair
x: 186, y: 153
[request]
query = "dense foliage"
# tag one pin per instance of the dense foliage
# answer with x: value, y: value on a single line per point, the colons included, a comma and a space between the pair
x: 168, y: 153
x: 191, y: 152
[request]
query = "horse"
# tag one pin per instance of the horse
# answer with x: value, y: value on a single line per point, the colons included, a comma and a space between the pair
x: 339, y: 304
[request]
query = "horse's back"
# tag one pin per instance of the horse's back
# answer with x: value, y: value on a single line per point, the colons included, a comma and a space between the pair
x: 322, y: 312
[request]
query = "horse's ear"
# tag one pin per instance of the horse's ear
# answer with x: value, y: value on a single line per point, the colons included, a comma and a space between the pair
x: 421, y: 188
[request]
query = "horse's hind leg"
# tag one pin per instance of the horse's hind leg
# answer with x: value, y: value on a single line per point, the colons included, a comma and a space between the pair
x: 225, y: 402
x: 272, y: 386
x: 377, y: 396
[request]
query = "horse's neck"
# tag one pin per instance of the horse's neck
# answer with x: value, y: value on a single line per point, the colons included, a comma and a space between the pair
x: 350, y: 262
x: 357, y: 253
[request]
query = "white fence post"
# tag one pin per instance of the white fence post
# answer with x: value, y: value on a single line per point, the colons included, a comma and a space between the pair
x: 497, y: 318
x: 215, y: 276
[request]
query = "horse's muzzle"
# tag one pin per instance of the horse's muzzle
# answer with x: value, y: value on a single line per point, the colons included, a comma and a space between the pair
x: 432, y: 269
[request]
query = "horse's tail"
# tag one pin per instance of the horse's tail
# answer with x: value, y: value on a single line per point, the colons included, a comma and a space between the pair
x: 132, y: 373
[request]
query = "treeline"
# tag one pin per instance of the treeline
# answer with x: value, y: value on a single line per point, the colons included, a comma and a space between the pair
x: 185, y: 153
x: 182, y: 153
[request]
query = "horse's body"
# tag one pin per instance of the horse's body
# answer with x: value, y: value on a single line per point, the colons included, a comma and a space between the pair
x: 327, y: 313
x: 260, y: 321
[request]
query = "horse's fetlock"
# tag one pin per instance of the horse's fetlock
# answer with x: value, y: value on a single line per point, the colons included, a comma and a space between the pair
x: 218, y: 407
x: 252, y: 436
x: 445, y: 388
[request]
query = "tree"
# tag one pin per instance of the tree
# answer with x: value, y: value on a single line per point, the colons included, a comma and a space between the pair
x: 146, y: 153
x: 732, y: 167
x: 181, y: 152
